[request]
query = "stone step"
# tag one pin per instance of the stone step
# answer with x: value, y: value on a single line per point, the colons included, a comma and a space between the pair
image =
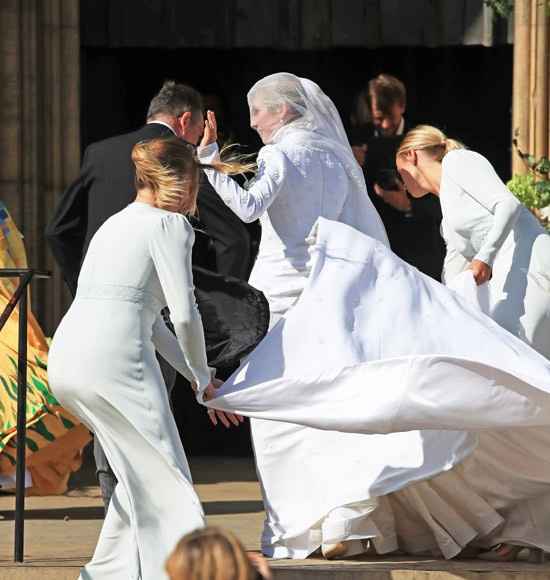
x: 394, y: 569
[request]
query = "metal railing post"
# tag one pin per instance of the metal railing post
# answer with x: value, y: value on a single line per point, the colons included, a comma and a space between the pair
x: 25, y: 275
x: 21, y: 423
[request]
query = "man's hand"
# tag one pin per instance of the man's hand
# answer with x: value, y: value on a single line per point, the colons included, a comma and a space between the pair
x: 397, y: 198
x: 210, y: 134
x: 482, y: 272
x: 223, y: 416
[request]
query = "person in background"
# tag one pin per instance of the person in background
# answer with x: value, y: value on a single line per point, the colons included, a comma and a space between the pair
x: 378, y: 125
x: 380, y: 107
x: 215, y: 554
x: 55, y: 438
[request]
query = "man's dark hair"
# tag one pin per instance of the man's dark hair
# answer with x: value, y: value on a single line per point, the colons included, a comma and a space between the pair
x: 175, y: 99
x: 386, y: 91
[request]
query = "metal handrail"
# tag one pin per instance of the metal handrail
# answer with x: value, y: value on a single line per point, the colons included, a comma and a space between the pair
x: 25, y: 276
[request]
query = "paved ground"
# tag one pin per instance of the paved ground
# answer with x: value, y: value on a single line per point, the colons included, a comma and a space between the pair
x: 61, y: 533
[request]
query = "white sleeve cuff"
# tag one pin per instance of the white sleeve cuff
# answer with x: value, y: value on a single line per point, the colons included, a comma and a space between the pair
x: 208, y: 153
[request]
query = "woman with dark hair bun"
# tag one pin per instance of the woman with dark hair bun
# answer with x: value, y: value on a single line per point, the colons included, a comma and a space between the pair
x: 103, y: 367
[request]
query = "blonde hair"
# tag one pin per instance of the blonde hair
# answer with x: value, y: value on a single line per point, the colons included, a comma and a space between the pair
x: 209, y: 554
x: 429, y: 139
x: 169, y: 167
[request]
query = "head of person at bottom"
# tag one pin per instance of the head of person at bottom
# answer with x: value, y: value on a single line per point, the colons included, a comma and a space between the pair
x: 383, y: 102
x: 168, y: 173
x: 214, y: 554
x: 181, y: 108
x: 419, y: 159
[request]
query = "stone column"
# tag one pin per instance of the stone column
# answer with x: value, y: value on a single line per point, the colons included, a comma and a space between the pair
x: 531, y: 102
x: 39, y: 127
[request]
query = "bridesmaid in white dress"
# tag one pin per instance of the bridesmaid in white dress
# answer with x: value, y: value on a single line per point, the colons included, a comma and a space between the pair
x: 306, y: 170
x: 487, y: 230
x: 103, y: 367
x: 491, y: 234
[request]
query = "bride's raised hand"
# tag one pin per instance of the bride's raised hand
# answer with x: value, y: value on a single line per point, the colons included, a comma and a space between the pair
x: 210, y: 134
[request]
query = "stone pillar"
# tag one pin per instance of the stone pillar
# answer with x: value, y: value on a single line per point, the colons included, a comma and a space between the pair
x: 531, y: 97
x: 39, y: 127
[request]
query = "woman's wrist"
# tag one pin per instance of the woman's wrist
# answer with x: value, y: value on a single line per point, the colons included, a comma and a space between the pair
x: 208, y: 153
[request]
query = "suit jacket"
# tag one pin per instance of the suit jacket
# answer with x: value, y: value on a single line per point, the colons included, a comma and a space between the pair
x: 106, y: 185
x: 414, y: 236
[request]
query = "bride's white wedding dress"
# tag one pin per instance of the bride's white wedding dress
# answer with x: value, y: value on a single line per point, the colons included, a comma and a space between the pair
x: 428, y: 421
x: 306, y: 171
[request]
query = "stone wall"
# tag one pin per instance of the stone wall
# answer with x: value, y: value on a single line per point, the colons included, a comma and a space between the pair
x: 39, y: 126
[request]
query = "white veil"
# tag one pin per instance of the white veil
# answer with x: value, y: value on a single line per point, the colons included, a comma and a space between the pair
x: 316, y: 112
x: 318, y: 122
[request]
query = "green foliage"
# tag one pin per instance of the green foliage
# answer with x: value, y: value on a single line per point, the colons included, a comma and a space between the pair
x: 534, y: 194
x: 505, y: 8
x: 533, y: 188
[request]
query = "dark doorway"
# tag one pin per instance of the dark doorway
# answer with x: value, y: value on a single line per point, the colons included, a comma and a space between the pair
x: 464, y: 90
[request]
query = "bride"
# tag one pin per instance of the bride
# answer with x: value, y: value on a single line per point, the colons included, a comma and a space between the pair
x: 369, y: 351
x: 306, y: 170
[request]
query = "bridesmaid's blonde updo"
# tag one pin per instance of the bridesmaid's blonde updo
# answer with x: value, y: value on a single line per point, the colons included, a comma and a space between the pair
x: 169, y: 168
x: 429, y: 139
x: 209, y: 554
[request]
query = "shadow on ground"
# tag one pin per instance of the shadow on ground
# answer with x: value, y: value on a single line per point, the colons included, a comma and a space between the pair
x: 211, y: 508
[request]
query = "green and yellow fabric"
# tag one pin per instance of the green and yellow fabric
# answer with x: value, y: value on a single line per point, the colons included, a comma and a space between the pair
x: 55, y: 439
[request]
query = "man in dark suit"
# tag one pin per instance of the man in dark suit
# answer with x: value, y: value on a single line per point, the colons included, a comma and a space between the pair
x: 106, y: 185
x: 412, y: 224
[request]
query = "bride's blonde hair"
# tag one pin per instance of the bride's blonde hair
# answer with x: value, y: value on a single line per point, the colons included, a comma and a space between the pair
x: 429, y: 139
x: 169, y: 167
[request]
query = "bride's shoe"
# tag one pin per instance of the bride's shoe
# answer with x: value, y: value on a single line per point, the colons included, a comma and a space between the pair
x: 510, y: 553
x: 501, y: 553
x: 332, y: 551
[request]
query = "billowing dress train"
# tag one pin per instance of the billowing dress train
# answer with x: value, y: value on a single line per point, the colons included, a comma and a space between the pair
x: 421, y: 410
x: 103, y: 368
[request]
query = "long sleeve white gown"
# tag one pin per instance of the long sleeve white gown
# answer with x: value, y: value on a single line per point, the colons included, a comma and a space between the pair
x: 372, y: 352
x: 300, y: 178
x: 102, y: 366
x: 483, y: 220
